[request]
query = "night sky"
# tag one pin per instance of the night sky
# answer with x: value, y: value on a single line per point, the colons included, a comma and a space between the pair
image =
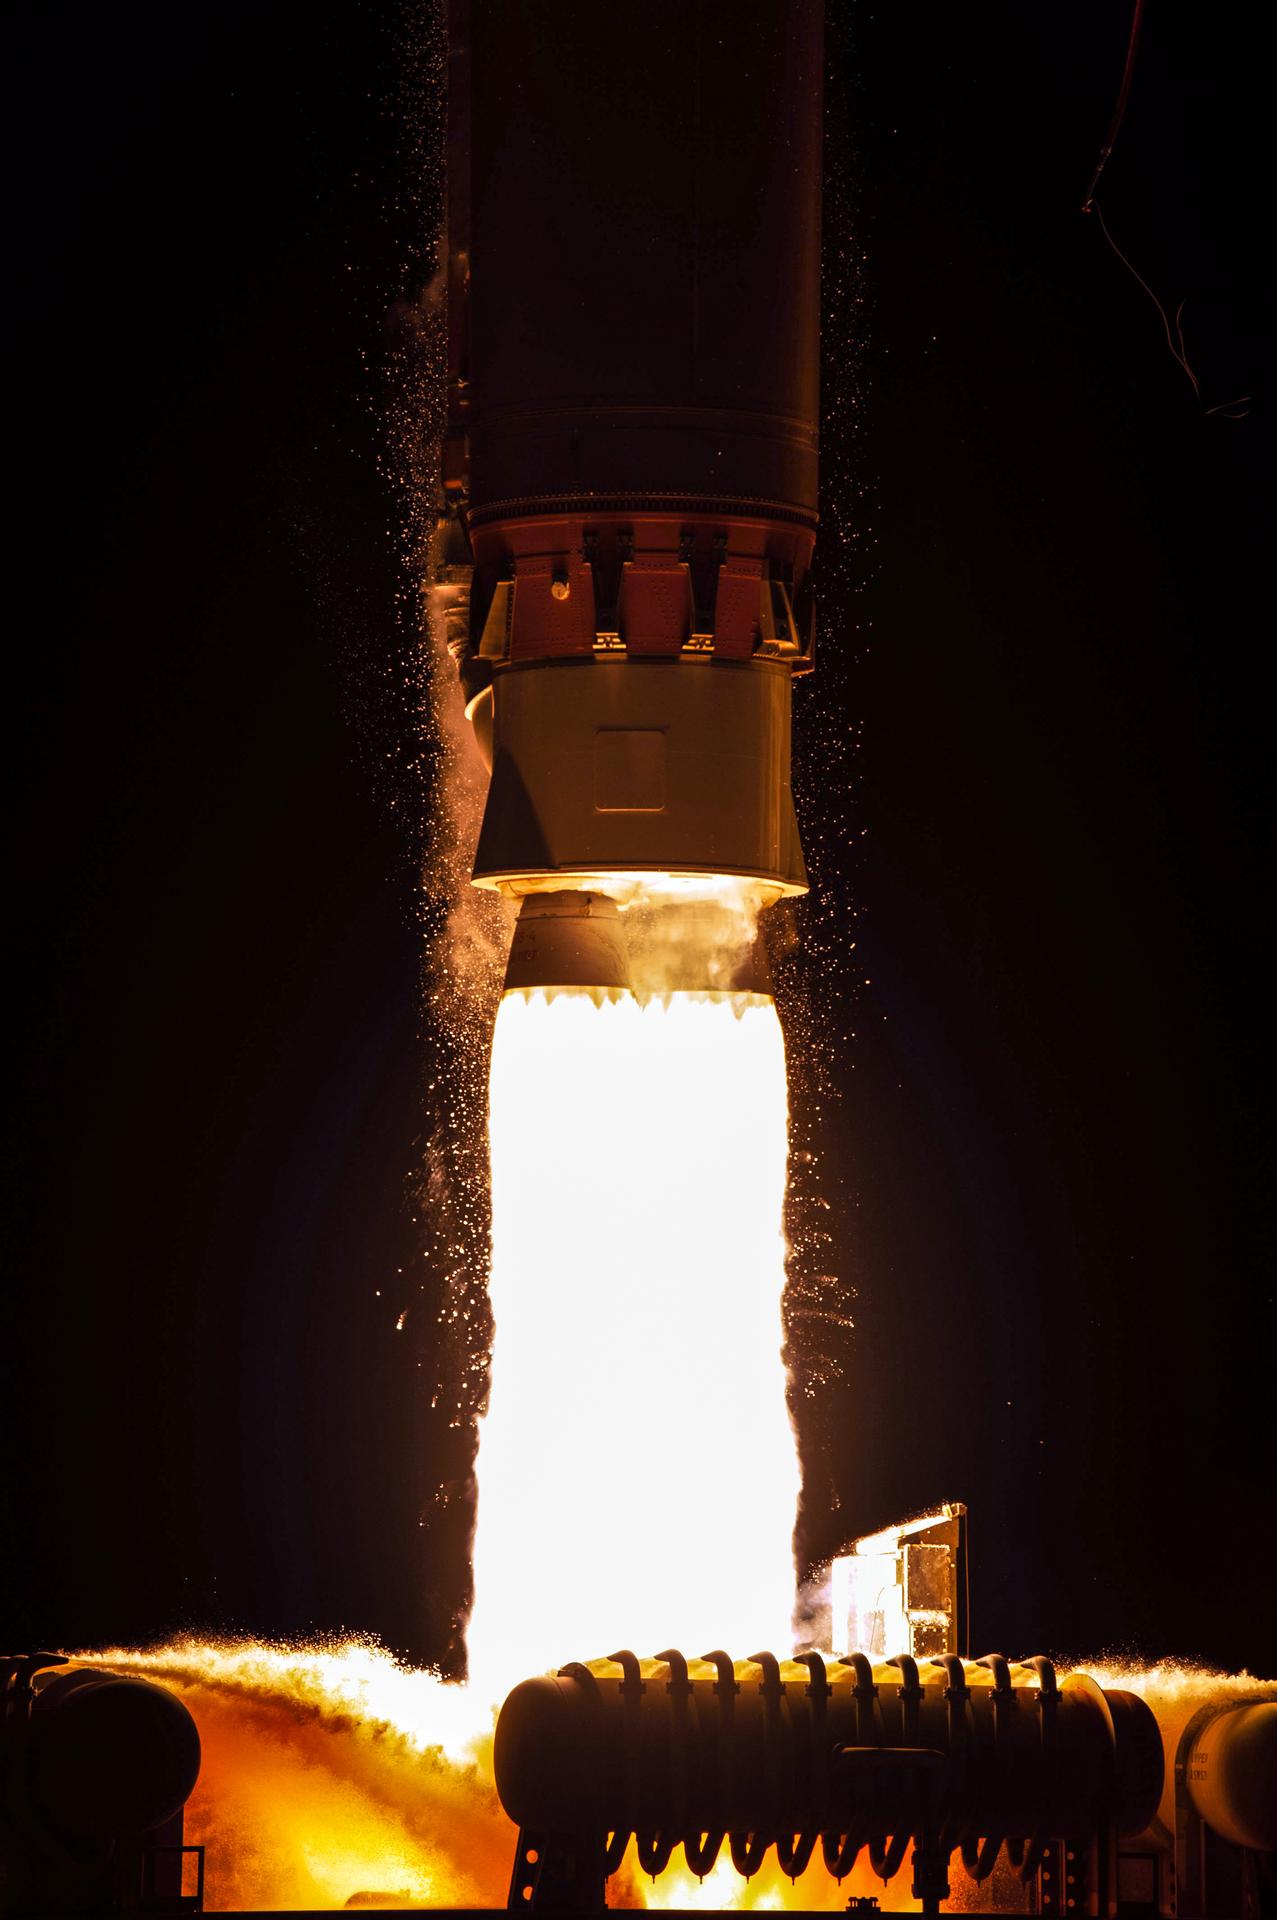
x: 1037, y: 780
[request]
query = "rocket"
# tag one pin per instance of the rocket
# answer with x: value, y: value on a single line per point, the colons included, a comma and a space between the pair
x: 629, y: 486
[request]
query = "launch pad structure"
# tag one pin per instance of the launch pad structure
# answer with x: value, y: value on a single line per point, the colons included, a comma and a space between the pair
x: 1015, y: 1789
x: 987, y: 1786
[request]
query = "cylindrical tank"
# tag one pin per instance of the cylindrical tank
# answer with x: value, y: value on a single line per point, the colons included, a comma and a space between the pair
x: 109, y: 1754
x: 641, y: 399
x: 1230, y: 1770
x: 775, y: 1749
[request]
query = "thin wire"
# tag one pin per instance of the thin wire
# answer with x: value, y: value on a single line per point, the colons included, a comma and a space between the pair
x: 1119, y: 111
x: 1175, y: 340
x: 1178, y: 352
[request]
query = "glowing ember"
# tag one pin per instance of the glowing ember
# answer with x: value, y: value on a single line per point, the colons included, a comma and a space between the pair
x: 638, y: 1476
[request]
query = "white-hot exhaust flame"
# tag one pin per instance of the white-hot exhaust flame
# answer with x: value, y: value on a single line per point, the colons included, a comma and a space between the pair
x: 638, y: 1476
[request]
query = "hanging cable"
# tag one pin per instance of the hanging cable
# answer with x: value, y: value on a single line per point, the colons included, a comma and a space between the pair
x: 1175, y: 338
x: 1119, y: 110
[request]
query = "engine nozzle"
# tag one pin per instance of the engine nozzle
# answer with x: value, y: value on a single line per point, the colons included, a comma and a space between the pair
x: 565, y: 938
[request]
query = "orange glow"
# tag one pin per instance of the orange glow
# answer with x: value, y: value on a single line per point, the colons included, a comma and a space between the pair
x: 723, y: 1890
x: 638, y: 1477
x: 331, y: 1771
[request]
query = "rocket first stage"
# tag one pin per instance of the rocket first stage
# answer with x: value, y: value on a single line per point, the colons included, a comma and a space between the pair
x: 631, y: 465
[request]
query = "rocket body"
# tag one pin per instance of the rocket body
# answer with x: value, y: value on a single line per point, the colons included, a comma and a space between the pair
x: 635, y: 407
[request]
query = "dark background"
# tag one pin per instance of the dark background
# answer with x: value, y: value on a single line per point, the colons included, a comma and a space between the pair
x: 1037, y: 793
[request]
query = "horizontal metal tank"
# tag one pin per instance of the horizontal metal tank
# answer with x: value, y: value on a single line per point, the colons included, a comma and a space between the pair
x: 1228, y: 1760
x: 953, y: 1756
x: 97, y: 1768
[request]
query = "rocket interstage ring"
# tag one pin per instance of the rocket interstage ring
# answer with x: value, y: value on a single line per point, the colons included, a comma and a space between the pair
x: 554, y: 580
x: 950, y: 1756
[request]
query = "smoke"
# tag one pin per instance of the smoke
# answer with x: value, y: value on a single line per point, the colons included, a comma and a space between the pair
x: 468, y: 956
x: 467, y: 936
x: 439, y: 791
x: 704, y: 937
x: 813, y: 1616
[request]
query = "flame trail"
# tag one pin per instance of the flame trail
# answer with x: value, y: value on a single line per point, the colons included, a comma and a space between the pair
x: 638, y: 1477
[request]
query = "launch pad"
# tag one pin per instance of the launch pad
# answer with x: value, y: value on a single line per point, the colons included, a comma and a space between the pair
x: 989, y: 1786
x: 944, y: 1764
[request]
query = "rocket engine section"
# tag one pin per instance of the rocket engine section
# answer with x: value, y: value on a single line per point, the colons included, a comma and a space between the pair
x: 631, y: 468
